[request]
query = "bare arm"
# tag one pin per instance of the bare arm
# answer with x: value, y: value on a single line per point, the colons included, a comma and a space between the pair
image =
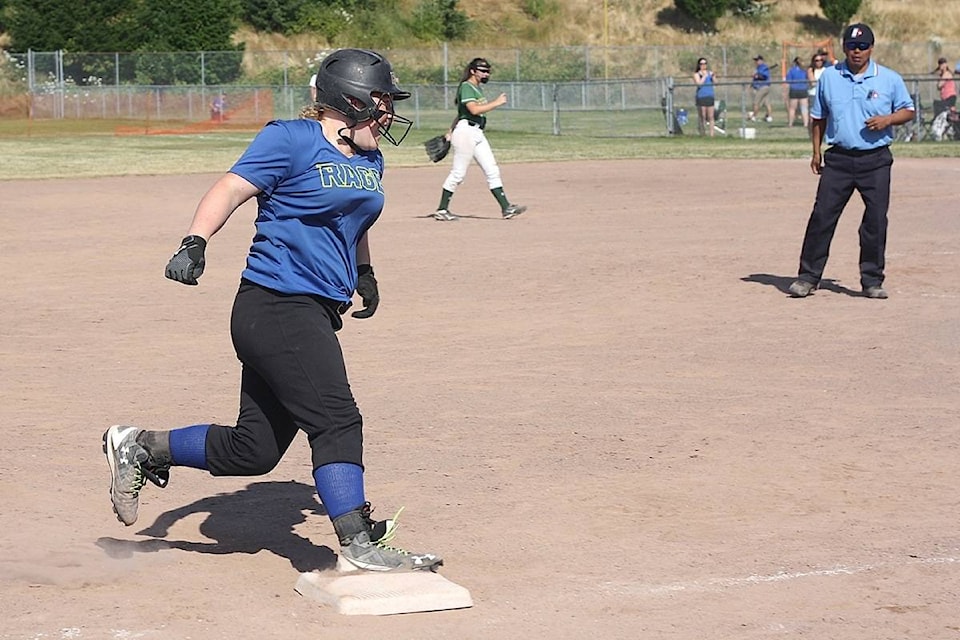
x: 219, y: 203
x: 901, y: 116
x: 477, y: 109
x: 818, y: 127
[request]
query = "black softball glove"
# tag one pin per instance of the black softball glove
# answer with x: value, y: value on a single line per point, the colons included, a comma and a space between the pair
x: 186, y: 265
x: 437, y: 148
x: 367, y: 290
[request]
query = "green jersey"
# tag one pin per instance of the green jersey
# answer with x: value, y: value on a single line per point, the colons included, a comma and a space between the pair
x: 468, y: 92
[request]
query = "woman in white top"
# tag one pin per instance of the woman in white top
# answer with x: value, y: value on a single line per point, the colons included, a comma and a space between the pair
x: 817, y: 64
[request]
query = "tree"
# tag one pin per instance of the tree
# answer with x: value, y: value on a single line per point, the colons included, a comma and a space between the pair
x: 439, y: 20
x: 51, y: 25
x: 275, y: 16
x: 839, y: 12
x: 147, y: 26
x: 707, y: 12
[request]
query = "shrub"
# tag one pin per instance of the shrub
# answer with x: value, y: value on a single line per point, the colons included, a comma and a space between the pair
x: 707, y: 12
x: 439, y: 20
x: 839, y: 12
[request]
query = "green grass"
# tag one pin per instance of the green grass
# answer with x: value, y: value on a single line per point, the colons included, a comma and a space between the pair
x: 51, y: 152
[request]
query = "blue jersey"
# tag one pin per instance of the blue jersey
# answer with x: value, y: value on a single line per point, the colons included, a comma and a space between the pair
x: 797, y: 78
x: 314, y: 206
x: 847, y: 101
x: 705, y: 90
x: 761, y: 78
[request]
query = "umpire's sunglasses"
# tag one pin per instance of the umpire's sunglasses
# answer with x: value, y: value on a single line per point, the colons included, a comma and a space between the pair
x: 852, y: 46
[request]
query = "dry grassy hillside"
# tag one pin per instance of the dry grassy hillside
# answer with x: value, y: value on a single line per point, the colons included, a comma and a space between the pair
x: 503, y: 23
x: 657, y: 22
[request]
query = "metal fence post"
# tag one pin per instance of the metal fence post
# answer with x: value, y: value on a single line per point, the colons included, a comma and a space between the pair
x: 668, y: 107
x: 556, y: 110
x: 446, y: 73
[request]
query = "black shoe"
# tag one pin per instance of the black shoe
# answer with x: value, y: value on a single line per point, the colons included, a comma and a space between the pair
x: 801, y: 288
x: 513, y: 211
x: 876, y: 292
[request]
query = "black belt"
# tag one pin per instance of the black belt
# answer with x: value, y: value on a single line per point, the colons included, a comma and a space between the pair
x: 474, y: 124
x: 856, y: 153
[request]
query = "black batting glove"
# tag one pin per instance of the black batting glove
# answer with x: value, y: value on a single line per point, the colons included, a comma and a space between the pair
x: 186, y: 265
x: 367, y: 290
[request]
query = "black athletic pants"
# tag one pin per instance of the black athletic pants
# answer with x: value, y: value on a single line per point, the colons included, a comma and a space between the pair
x: 293, y: 378
x: 844, y: 171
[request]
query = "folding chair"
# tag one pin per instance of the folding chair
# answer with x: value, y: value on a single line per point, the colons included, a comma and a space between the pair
x: 720, y: 117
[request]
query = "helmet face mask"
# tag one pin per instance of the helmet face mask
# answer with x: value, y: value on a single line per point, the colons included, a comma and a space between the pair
x: 352, y: 82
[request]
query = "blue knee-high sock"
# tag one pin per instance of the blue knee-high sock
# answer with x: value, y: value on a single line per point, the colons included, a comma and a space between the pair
x: 188, y: 446
x: 340, y: 486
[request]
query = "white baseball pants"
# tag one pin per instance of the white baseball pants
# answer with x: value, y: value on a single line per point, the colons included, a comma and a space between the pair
x: 470, y: 143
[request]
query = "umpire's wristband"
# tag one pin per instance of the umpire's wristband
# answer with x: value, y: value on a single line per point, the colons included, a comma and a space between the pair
x: 364, y: 269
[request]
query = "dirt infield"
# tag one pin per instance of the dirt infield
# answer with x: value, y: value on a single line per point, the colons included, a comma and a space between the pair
x: 605, y: 414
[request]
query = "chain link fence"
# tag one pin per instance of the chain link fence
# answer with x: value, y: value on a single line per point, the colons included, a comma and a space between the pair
x: 600, y: 91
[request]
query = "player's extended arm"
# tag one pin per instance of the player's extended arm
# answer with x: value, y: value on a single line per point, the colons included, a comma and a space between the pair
x: 219, y: 203
x: 216, y: 206
x: 477, y: 109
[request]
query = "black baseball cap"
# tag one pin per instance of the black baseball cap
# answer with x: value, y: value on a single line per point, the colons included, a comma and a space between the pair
x: 858, y: 32
x: 758, y: 57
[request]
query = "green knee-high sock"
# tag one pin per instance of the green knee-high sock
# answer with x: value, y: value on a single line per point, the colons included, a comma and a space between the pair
x: 501, y: 197
x: 445, y: 199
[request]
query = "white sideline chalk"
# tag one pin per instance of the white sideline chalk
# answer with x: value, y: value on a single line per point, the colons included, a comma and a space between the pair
x: 368, y: 593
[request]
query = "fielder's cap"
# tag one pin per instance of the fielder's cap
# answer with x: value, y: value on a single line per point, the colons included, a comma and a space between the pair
x: 758, y: 57
x: 858, y: 32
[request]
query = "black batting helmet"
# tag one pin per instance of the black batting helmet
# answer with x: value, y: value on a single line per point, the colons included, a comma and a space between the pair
x: 357, y: 74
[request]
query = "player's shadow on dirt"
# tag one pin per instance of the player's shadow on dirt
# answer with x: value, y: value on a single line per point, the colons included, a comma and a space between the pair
x: 783, y: 283
x: 260, y: 517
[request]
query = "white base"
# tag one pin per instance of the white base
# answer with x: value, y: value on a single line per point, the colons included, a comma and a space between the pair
x: 748, y: 133
x: 371, y: 593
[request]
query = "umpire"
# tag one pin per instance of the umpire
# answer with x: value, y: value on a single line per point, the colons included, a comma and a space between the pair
x: 858, y: 102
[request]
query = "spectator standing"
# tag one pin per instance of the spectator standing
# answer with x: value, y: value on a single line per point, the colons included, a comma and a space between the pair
x: 705, y: 99
x: 218, y: 108
x: 797, y: 86
x: 760, y: 87
x: 947, y: 87
x: 859, y: 133
x: 817, y: 64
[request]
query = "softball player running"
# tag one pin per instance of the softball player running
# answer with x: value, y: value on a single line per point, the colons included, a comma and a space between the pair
x: 317, y: 181
x: 470, y: 143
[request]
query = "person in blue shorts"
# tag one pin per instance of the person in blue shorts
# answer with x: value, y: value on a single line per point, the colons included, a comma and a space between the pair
x: 318, y: 187
x: 858, y: 103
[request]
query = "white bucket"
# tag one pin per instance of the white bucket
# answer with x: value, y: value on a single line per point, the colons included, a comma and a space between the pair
x: 748, y: 134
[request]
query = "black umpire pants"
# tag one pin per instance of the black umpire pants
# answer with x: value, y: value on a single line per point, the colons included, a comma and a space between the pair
x: 293, y: 379
x: 844, y: 171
